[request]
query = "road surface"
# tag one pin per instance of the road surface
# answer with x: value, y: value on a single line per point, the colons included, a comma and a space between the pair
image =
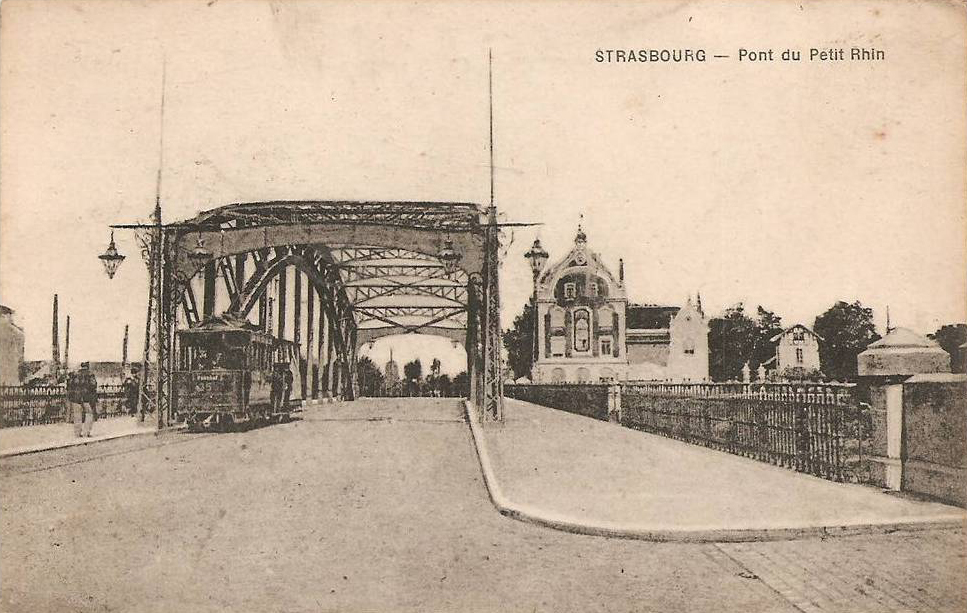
x: 379, y: 505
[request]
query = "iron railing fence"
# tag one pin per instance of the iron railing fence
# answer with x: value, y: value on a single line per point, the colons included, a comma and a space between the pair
x: 814, y: 428
x: 45, y: 404
x: 818, y: 428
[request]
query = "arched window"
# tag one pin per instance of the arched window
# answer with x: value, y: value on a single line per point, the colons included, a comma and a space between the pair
x: 557, y: 375
x: 689, y: 346
x: 582, y: 330
x: 584, y: 375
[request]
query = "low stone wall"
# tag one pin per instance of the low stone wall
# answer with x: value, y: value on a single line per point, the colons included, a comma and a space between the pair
x: 588, y: 399
x: 935, y: 436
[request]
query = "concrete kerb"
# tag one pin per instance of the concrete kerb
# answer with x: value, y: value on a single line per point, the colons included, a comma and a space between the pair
x: 710, y: 534
x: 18, y: 451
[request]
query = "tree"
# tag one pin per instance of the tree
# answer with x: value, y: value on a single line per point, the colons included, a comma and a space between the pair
x: 730, y: 342
x: 413, y: 370
x: 767, y: 326
x: 370, y: 377
x: 444, y: 384
x: 412, y: 376
x: 846, y: 330
x: 519, y: 342
x: 951, y: 337
x: 461, y: 385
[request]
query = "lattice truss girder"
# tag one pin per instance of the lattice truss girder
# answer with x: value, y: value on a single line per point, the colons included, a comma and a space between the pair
x: 401, y: 289
x: 381, y: 288
x: 376, y: 289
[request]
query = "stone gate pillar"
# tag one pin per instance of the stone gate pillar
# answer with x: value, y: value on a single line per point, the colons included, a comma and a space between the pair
x: 885, y: 367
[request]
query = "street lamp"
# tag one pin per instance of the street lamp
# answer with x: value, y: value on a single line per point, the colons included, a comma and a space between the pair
x: 111, y: 258
x: 537, y: 257
x: 449, y: 256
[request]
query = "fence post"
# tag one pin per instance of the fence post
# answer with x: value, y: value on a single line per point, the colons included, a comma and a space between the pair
x: 614, y: 402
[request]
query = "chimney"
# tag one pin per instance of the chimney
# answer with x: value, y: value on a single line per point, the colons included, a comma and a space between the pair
x: 55, y: 340
x: 621, y: 271
x: 124, y: 351
x: 67, y: 343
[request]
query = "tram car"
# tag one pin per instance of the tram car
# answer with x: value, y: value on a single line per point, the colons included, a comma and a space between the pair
x: 224, y: 375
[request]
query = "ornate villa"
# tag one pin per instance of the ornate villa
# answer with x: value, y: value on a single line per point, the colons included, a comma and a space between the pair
x: 588, y: 331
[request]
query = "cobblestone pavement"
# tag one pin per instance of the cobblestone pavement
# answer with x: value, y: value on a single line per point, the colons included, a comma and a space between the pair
x: 381, y: 506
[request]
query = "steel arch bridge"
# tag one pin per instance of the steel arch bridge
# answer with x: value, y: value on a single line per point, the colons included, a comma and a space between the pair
x: 359, y: 271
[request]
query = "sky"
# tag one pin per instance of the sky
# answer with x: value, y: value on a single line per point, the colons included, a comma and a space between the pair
x: 791, y: 185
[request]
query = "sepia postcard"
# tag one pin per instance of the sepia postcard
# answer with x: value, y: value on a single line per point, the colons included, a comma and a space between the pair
x: 483, y: 306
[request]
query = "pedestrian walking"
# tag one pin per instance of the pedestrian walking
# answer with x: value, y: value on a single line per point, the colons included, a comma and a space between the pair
x: 130, y: 390
x: 82, y: 396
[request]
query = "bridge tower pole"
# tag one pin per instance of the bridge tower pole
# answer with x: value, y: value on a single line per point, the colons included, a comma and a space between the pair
x: 309, y: 379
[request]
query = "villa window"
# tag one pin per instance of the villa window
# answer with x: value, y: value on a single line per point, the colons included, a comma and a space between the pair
x: 570, y: 290
x: 798, y: 336
x: 592, y: 289
x: 582, y: 331
x: 798, y: 355
x: 689, y: 347
x: 605, y: 346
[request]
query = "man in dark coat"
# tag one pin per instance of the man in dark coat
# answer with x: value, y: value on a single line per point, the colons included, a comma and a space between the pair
x: 131, y: 392
x: 82, y: 399
x: 277, y: 383
x: 287, y: 381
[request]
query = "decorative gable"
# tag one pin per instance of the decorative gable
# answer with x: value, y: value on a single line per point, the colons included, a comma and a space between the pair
x: 584, y: 262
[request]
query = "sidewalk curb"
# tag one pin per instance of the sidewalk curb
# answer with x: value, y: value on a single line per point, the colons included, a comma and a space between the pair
x: 83, y: 442
x: 526, y: 513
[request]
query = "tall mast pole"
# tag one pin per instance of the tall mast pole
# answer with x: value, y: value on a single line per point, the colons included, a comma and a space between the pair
x: 154, y: 323
x: 490, y: 98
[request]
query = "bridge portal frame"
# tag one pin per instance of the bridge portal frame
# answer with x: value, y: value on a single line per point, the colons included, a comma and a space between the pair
x: 338, y: 246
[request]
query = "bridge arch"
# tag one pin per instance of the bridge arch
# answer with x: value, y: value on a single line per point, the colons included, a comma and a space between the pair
x: 359, y: 271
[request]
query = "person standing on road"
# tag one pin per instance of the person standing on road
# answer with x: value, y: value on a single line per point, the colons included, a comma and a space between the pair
x: 82, y: 396
x: 130, y: 391
x: 277, y: 383
x: 287, y: 382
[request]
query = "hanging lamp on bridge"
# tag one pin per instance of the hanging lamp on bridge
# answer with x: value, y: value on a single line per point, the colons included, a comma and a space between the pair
x: 449, y: 256
x: 111, y: 258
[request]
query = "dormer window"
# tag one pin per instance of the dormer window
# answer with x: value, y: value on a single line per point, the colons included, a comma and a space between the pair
x: 592, y: 289
x: 570, y: 290
x: 799, y: 335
